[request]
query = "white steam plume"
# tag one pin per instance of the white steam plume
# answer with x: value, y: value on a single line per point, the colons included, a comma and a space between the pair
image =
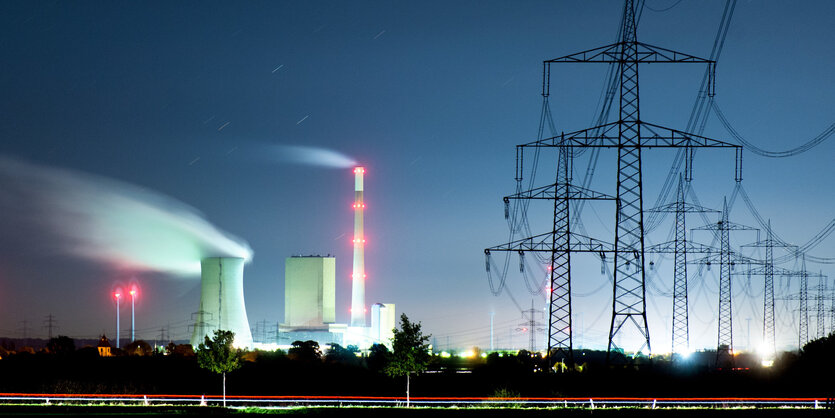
x: 322, y: 157
x: 122, y: 225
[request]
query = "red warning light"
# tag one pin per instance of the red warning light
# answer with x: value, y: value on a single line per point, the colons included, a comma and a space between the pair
x: 359, y: 240
x: 359, y: 205
x: 359, y: 170
x: 116, y: 295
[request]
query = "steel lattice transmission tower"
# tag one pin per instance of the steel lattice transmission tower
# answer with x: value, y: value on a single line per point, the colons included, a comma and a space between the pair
x: 803, y: 331
x: 832, y: 311
x: 559, y: 243
x: 819, y: 298
x: 629, y: 135
x: 767, y: 270
x: 680, y: 247
x: 728, y: 259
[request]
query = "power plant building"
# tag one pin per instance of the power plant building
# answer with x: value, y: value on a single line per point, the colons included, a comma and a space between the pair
x: 309, y: 300
x: 383, y: 323
x: 222, y: 301
x: 309, y: 291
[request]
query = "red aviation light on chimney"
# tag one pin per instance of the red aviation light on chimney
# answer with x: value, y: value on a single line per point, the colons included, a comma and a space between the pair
x: 359, y: 170
x: 359, y: 240
x: 359, y: 205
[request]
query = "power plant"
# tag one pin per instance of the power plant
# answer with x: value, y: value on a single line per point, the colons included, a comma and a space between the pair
x: 222, y: 301
x: 309, y: 297
x: 310, y: 293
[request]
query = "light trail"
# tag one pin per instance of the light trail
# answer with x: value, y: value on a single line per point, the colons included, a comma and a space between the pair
x: 323, y: 400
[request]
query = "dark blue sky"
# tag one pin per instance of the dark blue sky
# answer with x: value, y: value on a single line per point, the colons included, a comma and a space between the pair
x: 188, y: 99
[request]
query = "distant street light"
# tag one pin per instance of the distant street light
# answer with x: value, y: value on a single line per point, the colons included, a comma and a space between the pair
x: 117, y: 295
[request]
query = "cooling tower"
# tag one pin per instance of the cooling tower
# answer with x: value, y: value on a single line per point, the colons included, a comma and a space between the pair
x: 358, y: 276
x: 222, y: 301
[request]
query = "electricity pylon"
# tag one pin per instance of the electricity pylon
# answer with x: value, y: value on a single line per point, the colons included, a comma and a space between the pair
x: 680, y: 247
x: 767, y: 271
x: 560, y: 243
x: 629, y: 135
x: 727, y: 259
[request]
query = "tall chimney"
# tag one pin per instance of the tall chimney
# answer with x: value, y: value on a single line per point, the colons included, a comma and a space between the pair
x: 358, y: 276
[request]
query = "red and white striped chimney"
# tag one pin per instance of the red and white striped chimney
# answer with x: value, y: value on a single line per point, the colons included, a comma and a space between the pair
x: 358, y: 276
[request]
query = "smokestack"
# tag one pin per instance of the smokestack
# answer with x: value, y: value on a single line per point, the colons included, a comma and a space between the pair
x: 222, y: 301
x: 358, y: 276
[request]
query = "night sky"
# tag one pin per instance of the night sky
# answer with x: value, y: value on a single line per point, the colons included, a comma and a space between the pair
x: 139, y: 136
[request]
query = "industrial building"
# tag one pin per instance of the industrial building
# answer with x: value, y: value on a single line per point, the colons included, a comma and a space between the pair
x: 309, y: 300
x: 309, y: 291
x: 383, y: 322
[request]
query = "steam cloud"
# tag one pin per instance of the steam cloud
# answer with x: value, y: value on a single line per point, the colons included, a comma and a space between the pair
x: 313, y: 156
x: 108, y: 221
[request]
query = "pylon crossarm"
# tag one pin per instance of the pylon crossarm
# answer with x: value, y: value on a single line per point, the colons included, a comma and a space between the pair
x: 608, y: 136
x: 766, y: 243
x: 660, y: 136
x: 544, y: 243
x: 655, y: 54
x: 775, y: 270
x: 685, y: 207
x: 609, y: 53
x: 550, y: 192
x: 735, y: 259
x: 669, y: 247
x: 646, y: 53
x: 605, y: 135
x: 727, y: 225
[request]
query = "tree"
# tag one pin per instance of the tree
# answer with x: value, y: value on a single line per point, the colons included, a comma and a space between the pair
x: 305, y: 351
x: 179, y: 350
x: 218, y: 355
x: 139, y: 348
x: 378, y: 357
x: 342, y: 355
x: 410, y: 352
x: 61, y: 345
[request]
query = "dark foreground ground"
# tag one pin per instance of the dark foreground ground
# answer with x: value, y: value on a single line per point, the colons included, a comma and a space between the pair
x: 30, y: 410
